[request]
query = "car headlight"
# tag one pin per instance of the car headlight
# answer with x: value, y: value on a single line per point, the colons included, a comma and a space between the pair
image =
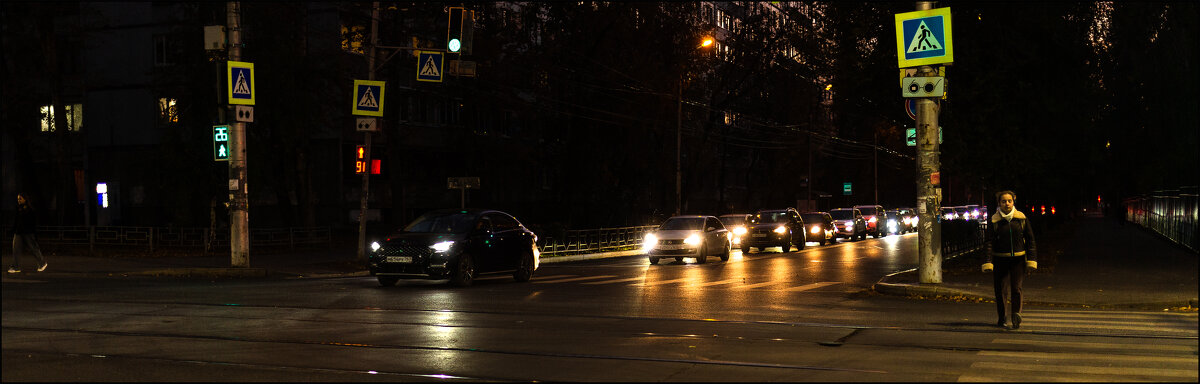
x: 739, y: 230
x: 815, y: 229
x: 781, y: 229
x: 442, y: 246
x: 374, y: 246
x: 649, y: 242
x: 694, y: 239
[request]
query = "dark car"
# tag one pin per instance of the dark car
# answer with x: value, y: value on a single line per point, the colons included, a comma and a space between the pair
x: 456, y: 245
x: 909, y: 219
x: 775, y: 228
x: 948, y: 213
x: 849, y: 223
x: 688, y: 236
x: 873, y: 215
x: 736, y: 224
x: 893, y: 225
x: 820, y: 227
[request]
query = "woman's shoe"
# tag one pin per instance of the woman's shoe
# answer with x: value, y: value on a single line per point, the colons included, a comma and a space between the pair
x: 1016, y: 320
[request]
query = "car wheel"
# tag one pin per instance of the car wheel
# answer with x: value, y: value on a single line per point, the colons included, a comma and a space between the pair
x: 786, y: 246
x: 803, y: 242
x: 653, y: 260
x: 745, y: 250
x: 524, y: 271
x: 725, y: 256
x: 678, y: 259
x: 387, y: 281
x: 822, y: 242
x: 464, y: 272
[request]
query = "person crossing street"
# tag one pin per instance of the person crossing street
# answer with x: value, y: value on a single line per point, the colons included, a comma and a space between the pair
x: 1013, y: 253
x: 25, y: 235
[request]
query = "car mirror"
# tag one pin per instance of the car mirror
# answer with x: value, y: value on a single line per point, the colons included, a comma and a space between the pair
x: 710, y: 229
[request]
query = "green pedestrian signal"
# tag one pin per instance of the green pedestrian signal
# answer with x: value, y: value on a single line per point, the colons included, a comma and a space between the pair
x: 221, y: 142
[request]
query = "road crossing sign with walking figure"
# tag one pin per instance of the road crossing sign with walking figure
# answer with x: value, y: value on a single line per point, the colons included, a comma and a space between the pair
x: 924, y: 38
x: 241, y: 82
x: 429, y: 66
x: 368, y: 98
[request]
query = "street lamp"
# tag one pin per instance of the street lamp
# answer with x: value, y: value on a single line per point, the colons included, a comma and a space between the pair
x: 706, y: 42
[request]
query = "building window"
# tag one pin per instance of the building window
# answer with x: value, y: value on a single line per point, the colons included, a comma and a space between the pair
x: 74, y: 117
x: 166, y: 50
x: 168, y: 113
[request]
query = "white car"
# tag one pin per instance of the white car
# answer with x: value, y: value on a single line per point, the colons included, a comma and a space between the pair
x: 688, y: 236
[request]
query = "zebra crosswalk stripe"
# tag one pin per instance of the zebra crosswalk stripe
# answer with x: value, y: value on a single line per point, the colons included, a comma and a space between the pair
x: 573, y: 279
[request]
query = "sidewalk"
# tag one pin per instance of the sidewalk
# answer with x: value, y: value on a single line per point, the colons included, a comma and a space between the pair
x: 1088, y: 262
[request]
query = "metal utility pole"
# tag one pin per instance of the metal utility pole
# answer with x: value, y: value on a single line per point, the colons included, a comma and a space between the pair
x: 239, y: 206
x: 366, y: 175
x: 929, y: 197
x: 679, y: 149
x: 875, y: 152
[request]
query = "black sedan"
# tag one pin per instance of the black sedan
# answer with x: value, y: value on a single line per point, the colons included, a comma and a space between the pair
x: 775, y: 227
x: 456, y: 245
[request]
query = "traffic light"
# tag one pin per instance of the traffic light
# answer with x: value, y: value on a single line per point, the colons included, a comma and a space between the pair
x: 360, y: 163
x: 459, y: 30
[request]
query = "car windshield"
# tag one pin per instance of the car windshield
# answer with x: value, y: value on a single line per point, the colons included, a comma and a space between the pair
x: 842, y: 214
x: 456, y: 222
x: 682, y: 223
x: 813, y: 219
x: 867, y: 211
x: 771, y: 217
x: 733, y: 221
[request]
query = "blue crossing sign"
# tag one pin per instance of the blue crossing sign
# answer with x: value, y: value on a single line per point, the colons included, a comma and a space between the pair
x: 924, y: 38
x: 368, y: 98
x: 241, y: 82
x: 429, y: 66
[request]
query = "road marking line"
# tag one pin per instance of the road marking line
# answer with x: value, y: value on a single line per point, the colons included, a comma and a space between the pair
x: 1097, y: 357
x: 1031, y: 320
x: 573, y: 279
x: 1148, y: 347
x: 811, y: 286
x: 750, y: 286
x: 1111, y: 313
x: 716, y: 283
x: 1083, y: 325
x: 661, y: 282
x: 1102, y: 315
x: 1084, y: 369
x: 615, y: 281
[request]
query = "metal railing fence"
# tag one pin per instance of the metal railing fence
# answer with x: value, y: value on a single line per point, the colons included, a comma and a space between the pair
x: 1171, y: 213
x: 962, y: 236
x: 174, y: 237
x: 594, y: 240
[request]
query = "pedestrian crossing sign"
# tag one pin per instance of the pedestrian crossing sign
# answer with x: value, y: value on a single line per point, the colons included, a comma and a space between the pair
x: 429, y: 66
x: 924, y: 38
x: 241, y: 82
x: 368, y: 98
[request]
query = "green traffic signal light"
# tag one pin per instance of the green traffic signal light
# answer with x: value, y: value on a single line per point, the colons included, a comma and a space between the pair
x: 454, y: 45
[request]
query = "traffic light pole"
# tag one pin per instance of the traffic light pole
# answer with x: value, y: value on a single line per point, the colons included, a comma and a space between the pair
x: 929, y: 232
x: 366, y: 175
x: 239, y: 207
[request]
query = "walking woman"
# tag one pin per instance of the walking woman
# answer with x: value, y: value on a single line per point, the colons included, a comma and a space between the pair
x: 1013, y: 253
x: 25, y: 235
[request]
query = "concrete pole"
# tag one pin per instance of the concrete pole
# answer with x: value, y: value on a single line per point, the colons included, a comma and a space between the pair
x: 239, y: 204
x: 929, y: 233
x: 366, y: 176
x: 679, y: 149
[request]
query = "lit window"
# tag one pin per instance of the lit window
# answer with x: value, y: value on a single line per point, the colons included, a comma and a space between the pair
x: 74, y: 117
x: 167, y: 112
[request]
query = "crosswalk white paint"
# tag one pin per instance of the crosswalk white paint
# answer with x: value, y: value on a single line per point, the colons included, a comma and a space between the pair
x: 811, y: 286
x: 625, y: 280
x: 1118, y: 359
x: 567, y: 280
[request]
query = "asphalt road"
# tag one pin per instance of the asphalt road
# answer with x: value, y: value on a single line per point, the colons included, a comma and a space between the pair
x: 767, y: 316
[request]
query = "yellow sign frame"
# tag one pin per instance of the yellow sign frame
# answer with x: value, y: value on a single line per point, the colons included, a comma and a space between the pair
x: 355, y: 96
x: 946, y: 29
x: 229, y: 66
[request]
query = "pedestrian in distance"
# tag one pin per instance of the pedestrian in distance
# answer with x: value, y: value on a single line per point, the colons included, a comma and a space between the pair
x: 1012, y: 254
x: 25, y: 235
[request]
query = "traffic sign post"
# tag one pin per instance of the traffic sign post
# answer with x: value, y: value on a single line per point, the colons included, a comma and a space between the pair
x: 429, y: 66
x: 924, y: 38
x: 241, y: 82
x: 368, y: 98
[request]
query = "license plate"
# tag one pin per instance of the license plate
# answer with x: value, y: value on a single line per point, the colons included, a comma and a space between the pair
x: 760, y: 235
x: 672, y: 247
x: 399, y: 259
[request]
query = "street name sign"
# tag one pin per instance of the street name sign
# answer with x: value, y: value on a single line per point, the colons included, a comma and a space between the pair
x: 368, y: 98
x: 429, y: 66
x: 924, y: 38
x: 241, y: 82
x: 910, y: 136
x: 846, y: 188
